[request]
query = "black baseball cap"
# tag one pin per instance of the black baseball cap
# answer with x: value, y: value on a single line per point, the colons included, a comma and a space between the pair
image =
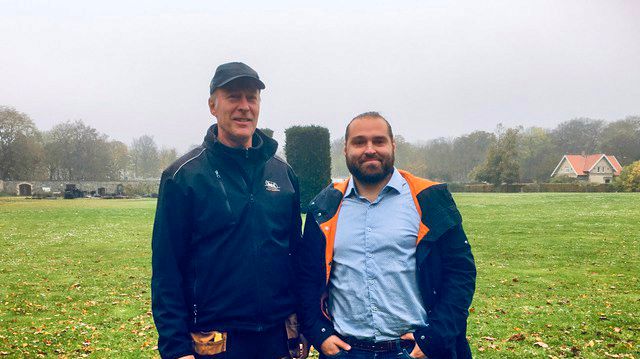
x: 230, y: 71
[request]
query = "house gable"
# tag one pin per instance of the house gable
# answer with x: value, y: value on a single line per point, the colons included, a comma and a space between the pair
x: 602, y: 165
x: 565, y: 168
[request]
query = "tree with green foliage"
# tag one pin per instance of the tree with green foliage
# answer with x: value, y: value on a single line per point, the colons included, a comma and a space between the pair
x: 629, y: 179
x: 119, y: 160
x: 145, y: 159
x: 267, y: 131
x: 78, y: 152
x: 578, y: 135
x: 537, y: 154
x: 21, y: 151
x: 469, y: 151
x: 437, y: 159
x: 622, y: 139
x: 307, y: 149
x: 338, y: 164
x: 409, y: 156
x: 501, y: 165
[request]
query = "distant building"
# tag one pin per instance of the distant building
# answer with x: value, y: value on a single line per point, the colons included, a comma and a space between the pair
x: 596, y: 168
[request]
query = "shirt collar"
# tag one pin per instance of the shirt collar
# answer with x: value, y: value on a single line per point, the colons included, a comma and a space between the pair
x: 395, y: 183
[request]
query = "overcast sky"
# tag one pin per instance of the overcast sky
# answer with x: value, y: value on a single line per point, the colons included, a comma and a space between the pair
x: 433, y: 68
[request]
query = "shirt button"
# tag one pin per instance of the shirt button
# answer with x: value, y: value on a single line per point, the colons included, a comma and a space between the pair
x: 369, y: 229
x: 323, y: 330
x: 422, y: 337
x: 369, y: 255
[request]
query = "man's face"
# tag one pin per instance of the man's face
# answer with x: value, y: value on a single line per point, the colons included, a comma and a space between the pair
x: 369, y: 150
x: 237, y: 111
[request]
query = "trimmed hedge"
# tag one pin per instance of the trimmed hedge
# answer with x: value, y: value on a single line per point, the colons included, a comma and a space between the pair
x: 308, y: 151
x: 532, y: 187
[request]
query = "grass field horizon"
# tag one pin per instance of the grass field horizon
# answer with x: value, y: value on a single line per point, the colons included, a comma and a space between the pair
x: 558, y: 276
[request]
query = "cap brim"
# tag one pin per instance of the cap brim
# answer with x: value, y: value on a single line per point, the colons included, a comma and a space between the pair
x: 261, y: 85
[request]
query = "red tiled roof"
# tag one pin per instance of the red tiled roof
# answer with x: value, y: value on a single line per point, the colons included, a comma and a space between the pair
x: 615, y: 163
x: 583, y: 164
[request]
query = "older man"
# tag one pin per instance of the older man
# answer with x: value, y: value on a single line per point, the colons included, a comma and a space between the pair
x: 385, y: 269
x: 227, y: 217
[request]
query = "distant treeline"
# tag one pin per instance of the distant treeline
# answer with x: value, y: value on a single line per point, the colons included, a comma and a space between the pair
x: 532, y: 152
x: 73, y: 151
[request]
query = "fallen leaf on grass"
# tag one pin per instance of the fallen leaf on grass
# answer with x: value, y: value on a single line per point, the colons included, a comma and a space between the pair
x: 516, y: 337
x: 541, y: 345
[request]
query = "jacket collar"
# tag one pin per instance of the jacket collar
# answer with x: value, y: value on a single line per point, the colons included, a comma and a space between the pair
x: 264, y: 147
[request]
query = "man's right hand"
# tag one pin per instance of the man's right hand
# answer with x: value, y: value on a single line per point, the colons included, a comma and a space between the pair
x: 333, y: 344
x: 187, y: 357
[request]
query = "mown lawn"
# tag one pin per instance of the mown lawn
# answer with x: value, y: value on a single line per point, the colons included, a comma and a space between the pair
x: 558, y: 276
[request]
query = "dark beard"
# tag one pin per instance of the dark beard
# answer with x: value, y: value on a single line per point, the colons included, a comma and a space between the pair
x: 371, y: 178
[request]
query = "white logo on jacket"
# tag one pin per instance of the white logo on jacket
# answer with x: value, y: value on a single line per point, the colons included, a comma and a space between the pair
x: 271, y: 186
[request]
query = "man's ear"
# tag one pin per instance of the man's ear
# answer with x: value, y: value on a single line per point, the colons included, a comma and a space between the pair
x: 212, y: 105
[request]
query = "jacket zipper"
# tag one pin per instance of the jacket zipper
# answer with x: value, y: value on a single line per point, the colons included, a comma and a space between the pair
x: 224, y: 191
x: 195, y: 293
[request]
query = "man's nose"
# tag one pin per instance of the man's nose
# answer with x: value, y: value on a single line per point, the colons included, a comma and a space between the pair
x: 369, y: 150
x: 244, y: 104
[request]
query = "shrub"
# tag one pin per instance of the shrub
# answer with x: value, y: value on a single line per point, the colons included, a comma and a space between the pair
x: 308, y: 152
x: 629, y: 179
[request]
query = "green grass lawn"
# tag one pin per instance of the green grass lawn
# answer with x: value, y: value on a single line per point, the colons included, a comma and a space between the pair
x: 558, y: 276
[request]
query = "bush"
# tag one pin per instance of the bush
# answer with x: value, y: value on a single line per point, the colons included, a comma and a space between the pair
x: 141, y: 189
x: 564, y: 179
x: 308, y: 152
x: 629, y: 179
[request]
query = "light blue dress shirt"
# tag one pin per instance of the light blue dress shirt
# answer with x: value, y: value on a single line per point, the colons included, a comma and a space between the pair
x: 373, y: 293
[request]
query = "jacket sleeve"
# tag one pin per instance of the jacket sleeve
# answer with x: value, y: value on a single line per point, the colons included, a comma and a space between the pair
x: 170, y: 243
x: 447, y: 317
x: 311, y: 283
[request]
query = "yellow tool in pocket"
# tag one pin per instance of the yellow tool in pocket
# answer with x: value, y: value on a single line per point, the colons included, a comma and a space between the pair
x: 209, y: 343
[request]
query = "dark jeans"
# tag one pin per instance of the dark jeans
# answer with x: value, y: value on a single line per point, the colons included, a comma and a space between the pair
x: 268, y: 344
x: 399, y: 353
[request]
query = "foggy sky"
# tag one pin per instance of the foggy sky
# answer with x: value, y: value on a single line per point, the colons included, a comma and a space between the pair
x: 433, y: 68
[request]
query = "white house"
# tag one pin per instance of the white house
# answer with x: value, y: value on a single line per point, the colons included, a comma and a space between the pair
x: 596, y: 168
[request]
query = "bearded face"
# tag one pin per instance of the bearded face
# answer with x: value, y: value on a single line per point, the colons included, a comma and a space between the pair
x: 371, y: 167
x: 369, y: 150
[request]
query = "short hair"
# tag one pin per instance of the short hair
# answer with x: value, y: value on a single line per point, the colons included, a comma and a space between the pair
x: 369, y: 114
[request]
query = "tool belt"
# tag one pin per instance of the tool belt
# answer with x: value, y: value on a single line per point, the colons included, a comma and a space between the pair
x: 214, y: 342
